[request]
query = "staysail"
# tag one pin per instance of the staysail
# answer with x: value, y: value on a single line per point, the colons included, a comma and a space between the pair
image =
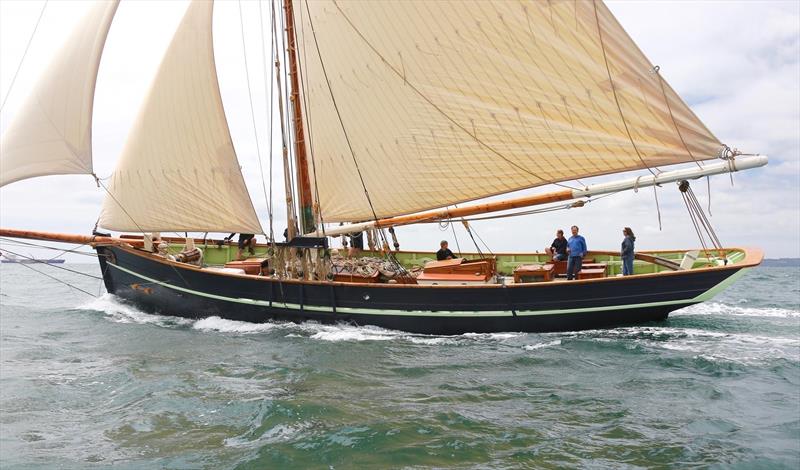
x: 178, y: 170
x: 437, y: 103
x: 52, y: 132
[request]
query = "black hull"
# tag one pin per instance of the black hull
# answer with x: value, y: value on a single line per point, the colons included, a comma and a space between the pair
x: 161, y: 287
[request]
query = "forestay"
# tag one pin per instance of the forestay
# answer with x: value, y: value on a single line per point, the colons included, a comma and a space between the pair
x: 52, y: 132
x: 449, y: 101
x: 178, y: 170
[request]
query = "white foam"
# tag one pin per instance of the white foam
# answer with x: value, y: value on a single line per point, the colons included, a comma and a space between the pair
x: 120, y: 312
x: 231, y: 326
x: 722, y: 346
x: 335, y: 333
x: 533, y: 347
x: 718, y: 308
x: 492, y: 336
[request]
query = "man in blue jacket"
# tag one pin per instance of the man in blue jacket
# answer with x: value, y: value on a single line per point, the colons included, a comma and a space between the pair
x: 576, y: 247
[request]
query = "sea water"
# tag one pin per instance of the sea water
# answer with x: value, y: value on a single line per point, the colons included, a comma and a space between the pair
x: 93, y: 383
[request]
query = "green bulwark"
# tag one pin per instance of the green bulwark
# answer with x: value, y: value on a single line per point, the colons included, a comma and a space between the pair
x: 506, y: 262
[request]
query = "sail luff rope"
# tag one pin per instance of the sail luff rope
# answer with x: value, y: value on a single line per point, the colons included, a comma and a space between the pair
x: 614, y: 88
x: 290, y: 213
x: 102, y: 185
x: 307, y: 115
x: 349, y: 144
x: 24, y: 54
x: 252, y: 109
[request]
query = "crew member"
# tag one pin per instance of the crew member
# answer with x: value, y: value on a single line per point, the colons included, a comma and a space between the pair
x: 576, y: 247
x: 245, y: 240
x: 558, y: 249
x: 626, y: 253
x: 444, y: 252
x: 356, y: 244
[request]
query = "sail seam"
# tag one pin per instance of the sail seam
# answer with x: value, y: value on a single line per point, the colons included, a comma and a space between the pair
x: 430, y: 102
x: 614, y: 88
x: 349, y: 144
x: 656, y: 71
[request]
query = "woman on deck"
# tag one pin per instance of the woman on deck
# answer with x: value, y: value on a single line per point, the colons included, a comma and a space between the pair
x: 626, y: 253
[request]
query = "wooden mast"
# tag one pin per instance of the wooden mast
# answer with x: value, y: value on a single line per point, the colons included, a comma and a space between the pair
x: 301, y: 161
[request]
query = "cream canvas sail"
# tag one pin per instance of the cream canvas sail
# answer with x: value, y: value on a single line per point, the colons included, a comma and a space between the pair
x: 52, y: 132
x: 178, y: 170
x: 448, y: 101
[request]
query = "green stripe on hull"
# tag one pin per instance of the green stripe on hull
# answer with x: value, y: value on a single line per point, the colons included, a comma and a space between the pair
x: 441, y: 313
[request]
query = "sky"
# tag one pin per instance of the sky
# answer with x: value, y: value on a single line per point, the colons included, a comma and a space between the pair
x: 736, y: 63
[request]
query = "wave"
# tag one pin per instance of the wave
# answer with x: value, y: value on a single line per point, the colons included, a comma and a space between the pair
x: 719, y: 308
x: 726, y: 346
x: 533, y: 347
x: 231, y: 326
x: 121, y: 312
x: 740, y: 348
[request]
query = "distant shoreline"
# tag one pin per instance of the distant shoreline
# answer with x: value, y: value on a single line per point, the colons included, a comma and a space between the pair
x: 781, y: 262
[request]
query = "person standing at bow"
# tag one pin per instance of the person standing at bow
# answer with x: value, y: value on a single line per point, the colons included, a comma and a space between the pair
x: 626, y: 253
x: 576, y: 247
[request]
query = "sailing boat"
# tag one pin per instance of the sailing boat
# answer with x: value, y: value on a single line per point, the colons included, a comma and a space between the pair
x: 395, y: 113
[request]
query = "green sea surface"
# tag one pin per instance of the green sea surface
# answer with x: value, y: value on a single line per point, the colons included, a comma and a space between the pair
x: 94, y: 383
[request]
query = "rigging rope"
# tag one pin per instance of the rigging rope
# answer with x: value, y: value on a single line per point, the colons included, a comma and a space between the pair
x: 271, y: 93
x: 401, y: 269
x: 37, y: 261
x: 24, y: 54
x: 102, y: 185
x: 699, y: 220
x: 570, y: 205
x: 21, y: 243
x: 469, y: 232
x: 614, y: 89
x: 252, y: 109
x: 428, y: 100
x: 656, y: 70
x: 303, y: 81
x: 290, y: 209
x: 59, y: 280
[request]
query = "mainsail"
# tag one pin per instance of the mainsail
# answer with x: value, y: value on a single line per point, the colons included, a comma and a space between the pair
x: 52, y: 132
x: 437, y: 103
x: 178, y: 170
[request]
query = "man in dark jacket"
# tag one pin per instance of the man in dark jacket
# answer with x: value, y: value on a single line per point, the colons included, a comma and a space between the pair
x: 444, y: 253
x: 558, y: 249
